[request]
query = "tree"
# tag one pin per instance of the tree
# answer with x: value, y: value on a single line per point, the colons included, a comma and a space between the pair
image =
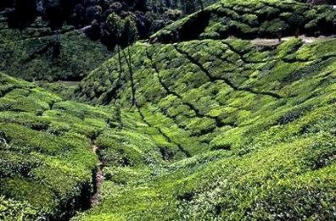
x: 141, y: 5
x: 114, y: 25
x: 56, y: 45
x: 317, y: 2
x: 189, y: 6
x: 129, y: 35
x: 129, y: 32
x: 54, y: 13
x: 6, y: 3
x: 123, y: 33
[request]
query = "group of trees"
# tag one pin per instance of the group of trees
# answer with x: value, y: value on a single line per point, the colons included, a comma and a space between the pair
x: 123, y: 31
x: 92, y: 15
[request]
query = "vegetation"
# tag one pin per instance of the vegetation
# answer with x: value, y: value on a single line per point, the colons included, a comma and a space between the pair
x: 46, y: 162
x: 37, y: 53
x: 149, y: 16
x: 192, y: 125
x: 251, y: 19
x: 254, y: 126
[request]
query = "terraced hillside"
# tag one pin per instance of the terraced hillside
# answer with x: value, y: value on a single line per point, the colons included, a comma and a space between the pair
x: 203, y: 129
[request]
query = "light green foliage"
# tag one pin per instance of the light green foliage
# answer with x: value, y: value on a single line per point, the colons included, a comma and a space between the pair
x: 46, y: 153
x: 64, y: 89
x: 251, y: 128
x: 46, y: 143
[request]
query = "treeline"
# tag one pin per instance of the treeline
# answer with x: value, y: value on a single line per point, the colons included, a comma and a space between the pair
x: 92, y: 15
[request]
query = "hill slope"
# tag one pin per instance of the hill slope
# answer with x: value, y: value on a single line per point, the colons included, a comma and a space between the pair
x: 255, y: 123
x: 256, y: 147
x: 46, y: 161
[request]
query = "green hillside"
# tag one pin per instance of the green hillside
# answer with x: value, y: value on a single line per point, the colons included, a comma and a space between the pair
x: 255, y: 124
x: 193, y: 124
x: 46, y: 159
x: 37, y: 53
x: 248, y: 19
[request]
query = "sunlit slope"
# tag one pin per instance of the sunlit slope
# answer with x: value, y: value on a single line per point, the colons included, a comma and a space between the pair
x: 248, y: 19
x: 47, y: 162
x: 204, y: 129
x: 255, y: 123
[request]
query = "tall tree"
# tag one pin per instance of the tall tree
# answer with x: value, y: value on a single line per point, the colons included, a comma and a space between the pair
x: 129, y: 36
x: 129, y: 32
x: 189, y: 6
x: 115, y: 26
x: 6, y: 3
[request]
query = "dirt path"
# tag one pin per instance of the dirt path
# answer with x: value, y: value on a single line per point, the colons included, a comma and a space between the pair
x: 97, y: 179
x: 69, y: 83
x: 275, y: 42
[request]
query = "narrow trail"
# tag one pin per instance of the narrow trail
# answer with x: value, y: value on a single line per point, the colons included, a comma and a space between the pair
x: 98, y: 178
x: 274, y: 42
x: 69, y: 83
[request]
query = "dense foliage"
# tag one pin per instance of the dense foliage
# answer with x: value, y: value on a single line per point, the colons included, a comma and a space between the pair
x: 201, y: 141
x: 92, y: 15
x: 46, y: 159
x: 37, y: 53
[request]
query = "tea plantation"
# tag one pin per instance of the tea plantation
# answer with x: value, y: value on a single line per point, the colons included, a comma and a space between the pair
x: 46, y: 157
x: 199, y: 127
x: 250, y: 131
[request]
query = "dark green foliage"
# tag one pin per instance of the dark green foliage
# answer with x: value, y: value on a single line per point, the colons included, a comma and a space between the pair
x: 123, y: 32
x: 36, y: 53
x: 24, y: 13
x: 91, y: 16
